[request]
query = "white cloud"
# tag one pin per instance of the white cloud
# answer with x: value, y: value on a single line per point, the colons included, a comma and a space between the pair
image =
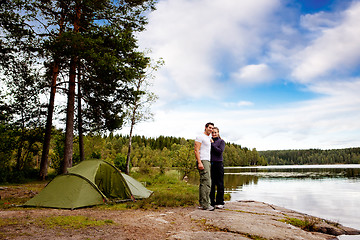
x: 253, y: 74
x: 193, y: 36
x: 336, y: 50
x: 238, y: 104
x: 319, y: 21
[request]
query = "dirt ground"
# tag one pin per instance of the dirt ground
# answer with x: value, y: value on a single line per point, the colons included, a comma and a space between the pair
x: 25, y: 223
x: 239, y: 220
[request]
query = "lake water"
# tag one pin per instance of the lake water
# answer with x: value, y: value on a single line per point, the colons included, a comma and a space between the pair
x: 326, y: 191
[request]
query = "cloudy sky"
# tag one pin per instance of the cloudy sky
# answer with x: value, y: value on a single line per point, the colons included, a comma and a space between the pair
x: 271, y: 74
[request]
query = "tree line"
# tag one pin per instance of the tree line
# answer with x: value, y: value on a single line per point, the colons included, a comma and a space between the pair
x: 161, y: 152
x: 312, y: 156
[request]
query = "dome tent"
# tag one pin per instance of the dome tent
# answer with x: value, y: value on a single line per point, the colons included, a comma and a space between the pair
x: 91, y: 182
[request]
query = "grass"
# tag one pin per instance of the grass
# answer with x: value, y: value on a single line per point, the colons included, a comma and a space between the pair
x: 8, y: 221
x: 308, y: 224
x: 217, y: 229
x: 168, y: 191
x: 72, y: 222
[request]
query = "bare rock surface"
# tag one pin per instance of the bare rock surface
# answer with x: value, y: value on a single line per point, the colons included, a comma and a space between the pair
x: 251, y: 219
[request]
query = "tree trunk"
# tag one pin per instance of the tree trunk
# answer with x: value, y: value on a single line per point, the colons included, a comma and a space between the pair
x: 69, y: 132
x: 18, y: 155
x: 46, y: 145
x: 80, y: 129
x: 127, y: 171
x: 44, y: 164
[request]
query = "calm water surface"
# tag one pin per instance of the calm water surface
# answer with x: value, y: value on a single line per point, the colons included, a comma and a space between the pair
x: 327, y: 191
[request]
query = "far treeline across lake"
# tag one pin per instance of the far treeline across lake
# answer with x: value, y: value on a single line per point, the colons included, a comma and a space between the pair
x: 161, y: 152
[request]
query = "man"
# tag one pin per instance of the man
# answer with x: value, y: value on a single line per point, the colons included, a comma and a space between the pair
x: 202, y: 154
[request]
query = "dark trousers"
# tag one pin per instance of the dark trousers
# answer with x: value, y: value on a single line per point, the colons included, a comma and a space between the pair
x: 217, y: 181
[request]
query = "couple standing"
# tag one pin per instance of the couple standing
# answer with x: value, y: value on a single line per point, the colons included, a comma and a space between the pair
x: 209, y: 148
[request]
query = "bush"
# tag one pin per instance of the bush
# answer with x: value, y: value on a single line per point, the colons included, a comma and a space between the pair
x: 96, y: 155
x: 120, y: 162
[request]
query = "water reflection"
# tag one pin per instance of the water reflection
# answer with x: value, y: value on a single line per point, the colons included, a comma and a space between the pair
x: 233, y: 182
x: 327, y: 191
x: 316, y: 171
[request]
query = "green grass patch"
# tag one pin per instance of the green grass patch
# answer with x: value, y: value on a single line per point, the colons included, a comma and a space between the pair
x: 227, y: 197
x: 73, y: 222
x: 8, y: 221
x: 209, y: 227
x: 308, y: 224
x: 168, y: 191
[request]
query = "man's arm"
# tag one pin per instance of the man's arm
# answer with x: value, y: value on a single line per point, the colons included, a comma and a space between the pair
x: 197, y: 155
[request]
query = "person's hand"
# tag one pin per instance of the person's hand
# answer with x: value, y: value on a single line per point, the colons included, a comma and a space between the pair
x: 211, y: 140
x: 200, y: 166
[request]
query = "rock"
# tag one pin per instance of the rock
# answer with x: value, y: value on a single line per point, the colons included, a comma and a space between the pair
x: 260, y: 220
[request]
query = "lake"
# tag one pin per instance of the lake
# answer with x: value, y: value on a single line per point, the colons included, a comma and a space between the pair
x: 326, y: 191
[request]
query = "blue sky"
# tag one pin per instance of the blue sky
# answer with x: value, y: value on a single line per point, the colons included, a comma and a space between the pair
x: 271, y: 74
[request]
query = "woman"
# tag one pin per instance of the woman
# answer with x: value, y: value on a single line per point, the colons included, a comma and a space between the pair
x: 217, y: 169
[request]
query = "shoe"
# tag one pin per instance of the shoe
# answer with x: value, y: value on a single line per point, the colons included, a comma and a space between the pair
x: 219, y: 206
x: 209, y: 208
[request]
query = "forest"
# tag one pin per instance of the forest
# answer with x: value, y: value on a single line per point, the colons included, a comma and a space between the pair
x: 147, y: 153
x: 312, y: 156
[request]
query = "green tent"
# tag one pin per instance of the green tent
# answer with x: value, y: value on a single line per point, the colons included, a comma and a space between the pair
x: 89, y: 183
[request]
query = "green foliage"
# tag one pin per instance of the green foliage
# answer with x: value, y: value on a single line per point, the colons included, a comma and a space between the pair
x: 8, y: 221
x: 7, y: 146
x: 48, y: 41
x: 120, y: 162
x: 17, y: 152
x: 312, y: 156
x: 235, y: 155
x: 227, y: 197
x: 96, y: 155
x: 57, y: 153
x: 308, y: 224
x: 183, y: 157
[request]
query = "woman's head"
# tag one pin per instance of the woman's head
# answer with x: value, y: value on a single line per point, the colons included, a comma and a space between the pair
x: 215, y: 133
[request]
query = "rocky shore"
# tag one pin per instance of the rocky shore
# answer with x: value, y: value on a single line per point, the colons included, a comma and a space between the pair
x: 258, y: 220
